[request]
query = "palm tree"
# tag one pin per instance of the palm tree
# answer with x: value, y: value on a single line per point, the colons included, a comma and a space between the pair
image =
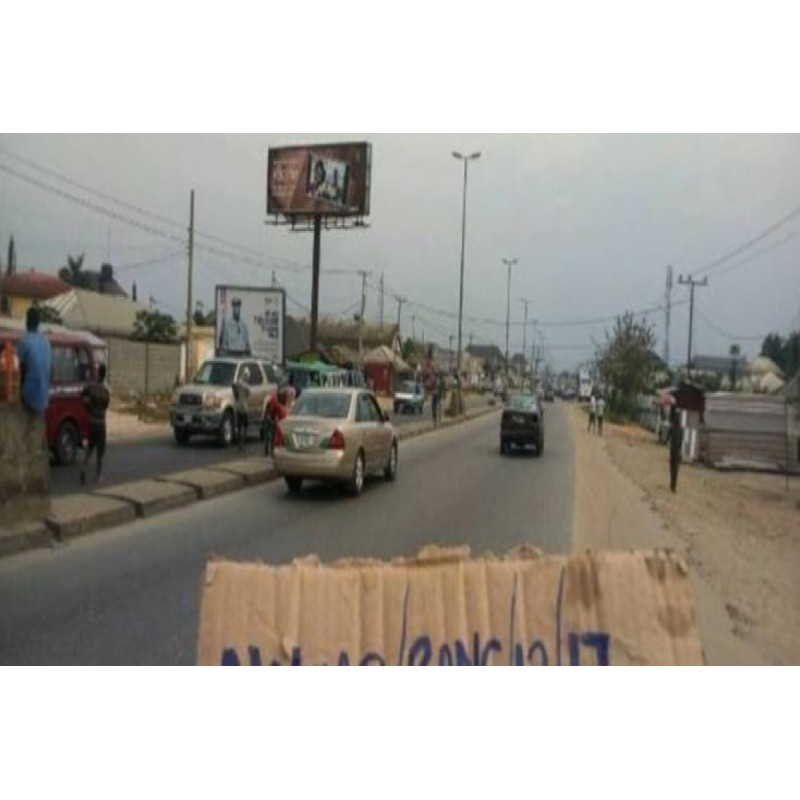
x: 72, y: 274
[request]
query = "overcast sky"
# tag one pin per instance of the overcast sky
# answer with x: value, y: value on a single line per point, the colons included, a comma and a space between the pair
x: 593, y: 221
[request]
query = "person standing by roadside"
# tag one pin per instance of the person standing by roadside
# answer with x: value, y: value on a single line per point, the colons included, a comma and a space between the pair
x: 592, y: 413
x: 96, y: 398
x: 35, y: 361
x: 675, y: 438
x: 441, y: 389
x: 241, y: 397
x: 435, y: 401
x: 599, y: 413
x: 275, y: 410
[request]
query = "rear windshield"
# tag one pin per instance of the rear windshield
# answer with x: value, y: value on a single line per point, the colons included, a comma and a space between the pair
x: 522, y: 402
x: 215, y: 373
x: 329, y: 405
x: 409, y: 387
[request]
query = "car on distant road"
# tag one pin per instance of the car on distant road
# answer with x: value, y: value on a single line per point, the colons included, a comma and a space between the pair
x: 338, y: 436
x: 522, y: 424
x: 549, y: 396
x: 409, y: 397
x: 206, y: 406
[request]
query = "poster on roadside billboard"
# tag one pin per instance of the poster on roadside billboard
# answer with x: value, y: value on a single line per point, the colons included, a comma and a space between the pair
x: 332, y: 179
x: 250, y: 322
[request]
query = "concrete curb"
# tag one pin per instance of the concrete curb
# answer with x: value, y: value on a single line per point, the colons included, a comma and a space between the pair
x: 73, y: 515
x: 151, y: 496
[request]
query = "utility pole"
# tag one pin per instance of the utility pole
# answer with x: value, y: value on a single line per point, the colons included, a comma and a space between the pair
x: 400, y: 301
x: 413, y: 328
x: 363, y: 273
x: 466, y: 160
x: 526, y: 303
x: 274, y: 280
x: 509, y: 263
x: 667, y: 312
x: 189, y: 290
x: 381, y: 300
x: 691, y: 283
x: 315, y: 283
x: 450, y: 356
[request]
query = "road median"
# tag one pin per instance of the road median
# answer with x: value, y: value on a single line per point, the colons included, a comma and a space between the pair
x: 101, y: 509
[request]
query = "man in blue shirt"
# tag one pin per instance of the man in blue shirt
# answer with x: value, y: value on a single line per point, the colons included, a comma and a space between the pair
x: 33, y: 351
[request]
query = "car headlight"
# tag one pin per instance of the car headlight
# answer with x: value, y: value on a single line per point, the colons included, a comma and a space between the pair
x: 212, y: 401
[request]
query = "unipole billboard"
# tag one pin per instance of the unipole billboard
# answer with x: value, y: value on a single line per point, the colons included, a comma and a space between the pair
x: 330, y: 180
x: 250, y: 321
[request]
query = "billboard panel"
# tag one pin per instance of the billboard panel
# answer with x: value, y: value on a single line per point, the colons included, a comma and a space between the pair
x: 250, y: 322
x: 331, y: 179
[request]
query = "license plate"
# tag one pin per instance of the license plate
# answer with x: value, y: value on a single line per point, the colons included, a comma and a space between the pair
x: 518, y: 420
x: 303, y: 441
x: 184, y: 418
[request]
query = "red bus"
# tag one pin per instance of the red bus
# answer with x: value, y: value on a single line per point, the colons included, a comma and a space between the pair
x: 75, y: 358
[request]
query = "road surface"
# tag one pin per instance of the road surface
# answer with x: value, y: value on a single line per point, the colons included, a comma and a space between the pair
x: 131, y: 595
x: 154, y: 455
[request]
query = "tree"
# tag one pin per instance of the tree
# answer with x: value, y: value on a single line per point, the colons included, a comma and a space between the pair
x: 153, y: 326
x: 408, y: 348
x: 626, y: 360
x: 48, y: 315
x: 772, y: 347
x: 72, y: 273
x: 199, y: 318
x: 790, y: 355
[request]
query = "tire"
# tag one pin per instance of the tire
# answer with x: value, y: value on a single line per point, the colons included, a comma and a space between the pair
x: 181, y: 437
x: 503, y: 447
x: 396, y: 408
x: 355, y: 485
x: 67, y: 443
x: 294, y: 485
x: 539, y: 448
x: 226, y: 431
x: 390, y: 470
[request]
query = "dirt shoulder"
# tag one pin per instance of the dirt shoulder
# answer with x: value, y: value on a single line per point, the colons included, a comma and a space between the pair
x: 739, y: 533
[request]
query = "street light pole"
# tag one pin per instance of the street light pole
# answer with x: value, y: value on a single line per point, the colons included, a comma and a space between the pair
x: 526, y: 303
x: 466, y: 160
x: 509, y: 263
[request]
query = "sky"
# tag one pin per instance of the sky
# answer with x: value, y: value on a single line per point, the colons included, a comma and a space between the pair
x: 592, y: 220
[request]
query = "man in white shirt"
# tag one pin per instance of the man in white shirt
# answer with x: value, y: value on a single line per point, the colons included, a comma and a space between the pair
x: 601, y: 409
x: 592, y: 412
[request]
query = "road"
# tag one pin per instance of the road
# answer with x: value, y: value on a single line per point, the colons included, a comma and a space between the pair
x: 131, y: 595
x: 155, y: 455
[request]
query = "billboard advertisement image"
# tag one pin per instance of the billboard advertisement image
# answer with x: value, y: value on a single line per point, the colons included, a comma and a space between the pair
x: 250, y: 322
x: 320, y: 179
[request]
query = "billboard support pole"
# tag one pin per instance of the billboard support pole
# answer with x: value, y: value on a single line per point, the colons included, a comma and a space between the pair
x: 315, y: 282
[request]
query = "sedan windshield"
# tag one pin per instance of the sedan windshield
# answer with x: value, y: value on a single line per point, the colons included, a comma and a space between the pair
x: 409, y: 388
x: 215, y: 373
x: 328, y: 405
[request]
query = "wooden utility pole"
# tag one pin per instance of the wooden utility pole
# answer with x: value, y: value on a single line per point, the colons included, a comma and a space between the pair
x: 526, y: 303
x: 189, y: 291
x: 691, y: 283
x: 363, y: 273
x: 315, y: 283
x: 381, y: 300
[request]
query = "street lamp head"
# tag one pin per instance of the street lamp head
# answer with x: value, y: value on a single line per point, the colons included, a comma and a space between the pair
x: 456, y: 154
x: 475, y: 155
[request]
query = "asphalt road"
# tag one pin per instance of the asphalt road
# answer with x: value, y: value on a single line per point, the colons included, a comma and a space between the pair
x: 131, y: 595
x: 156, y: 455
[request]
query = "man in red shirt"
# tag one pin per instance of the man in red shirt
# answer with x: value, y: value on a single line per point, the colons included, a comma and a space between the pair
x: 275, y: 410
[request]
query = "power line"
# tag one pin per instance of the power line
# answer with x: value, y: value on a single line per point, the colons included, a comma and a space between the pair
x: 712, y: 265
x: 727, y: 335
x: 150, y: 261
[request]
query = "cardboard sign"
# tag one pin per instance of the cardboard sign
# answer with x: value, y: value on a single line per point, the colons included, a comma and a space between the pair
x: 443, y: 607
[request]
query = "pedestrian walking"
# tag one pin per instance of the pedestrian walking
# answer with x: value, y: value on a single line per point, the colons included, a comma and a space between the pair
x: 441, y: 390
x: 96, y: 398
x: 592, y: 413
x: 35, y: 359
x: 600, y: 412
x: 241, y: 397
x: 435, y: 401
x: 675, y: 438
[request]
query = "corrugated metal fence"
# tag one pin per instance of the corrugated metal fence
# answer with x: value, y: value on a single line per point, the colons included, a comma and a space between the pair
x: 750, y: 431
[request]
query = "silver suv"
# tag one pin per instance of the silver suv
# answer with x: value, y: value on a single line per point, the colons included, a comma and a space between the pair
x: 206, y: 405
